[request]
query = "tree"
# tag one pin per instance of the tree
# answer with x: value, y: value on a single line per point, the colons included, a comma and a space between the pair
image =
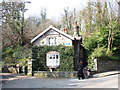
x: 87, y: 18
x: 35, y: 25
x: 43, y: 14
x: 66, y: 18
x: 105, y: 34
x: 98, y: 15
x: 13, y: 21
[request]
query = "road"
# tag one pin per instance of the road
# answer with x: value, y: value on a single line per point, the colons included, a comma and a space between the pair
x: 33, y: 82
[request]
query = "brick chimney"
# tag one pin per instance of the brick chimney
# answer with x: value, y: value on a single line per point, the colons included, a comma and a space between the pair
x: 65, y: 30
x: 76, y: 30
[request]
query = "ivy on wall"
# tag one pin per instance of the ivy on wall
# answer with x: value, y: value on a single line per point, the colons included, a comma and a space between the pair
x: 66, y: 57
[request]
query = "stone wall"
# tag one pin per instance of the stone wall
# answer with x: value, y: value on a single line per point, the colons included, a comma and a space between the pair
x: 108, y: 65
x: 55, y: 74
x: 61, y: 74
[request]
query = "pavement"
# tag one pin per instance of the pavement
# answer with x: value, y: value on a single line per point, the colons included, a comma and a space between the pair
x: 8, y: 76
x: 104, y: 74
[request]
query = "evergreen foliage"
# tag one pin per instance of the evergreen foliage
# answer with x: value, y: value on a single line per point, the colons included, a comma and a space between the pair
x: 18, y: 55
x: 39, y: 56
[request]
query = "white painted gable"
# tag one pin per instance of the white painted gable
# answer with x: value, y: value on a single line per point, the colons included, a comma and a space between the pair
x: 52, y: 36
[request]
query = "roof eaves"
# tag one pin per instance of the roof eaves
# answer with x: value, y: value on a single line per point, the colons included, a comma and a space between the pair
x: 68, y: 36
x: 39, y: 35
x: 57, y: 30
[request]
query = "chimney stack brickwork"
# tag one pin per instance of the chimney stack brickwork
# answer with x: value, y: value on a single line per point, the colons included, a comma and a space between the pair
x: 76, y: 30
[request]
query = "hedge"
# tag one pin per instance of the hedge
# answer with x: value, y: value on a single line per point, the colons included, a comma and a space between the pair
x: 66, y: 57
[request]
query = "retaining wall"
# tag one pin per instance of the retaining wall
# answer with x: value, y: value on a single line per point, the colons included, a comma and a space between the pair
x: 108, y: 65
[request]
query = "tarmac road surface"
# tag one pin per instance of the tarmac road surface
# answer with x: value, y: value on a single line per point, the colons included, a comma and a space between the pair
x: 33, y: 82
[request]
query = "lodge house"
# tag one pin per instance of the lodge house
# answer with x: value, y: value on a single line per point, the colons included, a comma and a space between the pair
x: 53, y: 36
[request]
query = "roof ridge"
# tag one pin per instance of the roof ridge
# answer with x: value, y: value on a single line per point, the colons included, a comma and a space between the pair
x: 54, y: 28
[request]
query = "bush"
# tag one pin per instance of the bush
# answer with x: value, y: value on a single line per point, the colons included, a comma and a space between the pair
x: 39, y: 56
x: 90, y: 43
x: 15, y: 55
x: 99, y: 52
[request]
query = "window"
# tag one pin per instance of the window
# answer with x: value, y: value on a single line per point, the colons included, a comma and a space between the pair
x: 52, y: 41
x: 67, y: 44
x: 42, y: 42
x: 53, y: 56
x: 50, y: 57
x: 56, y: 56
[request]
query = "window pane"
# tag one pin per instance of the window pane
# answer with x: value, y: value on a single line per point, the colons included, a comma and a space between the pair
x: 50, y: 57
x: 48, y: 41
x: 55, y: 40
x: 52, y: 41
x: 53, y: 56
x: 56, y: 56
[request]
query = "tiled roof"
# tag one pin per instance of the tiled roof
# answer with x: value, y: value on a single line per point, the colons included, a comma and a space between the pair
x: 52, y: 52
x: 55, y: 29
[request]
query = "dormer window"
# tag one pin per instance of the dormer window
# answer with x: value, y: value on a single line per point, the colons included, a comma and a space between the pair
x: 52, y: 41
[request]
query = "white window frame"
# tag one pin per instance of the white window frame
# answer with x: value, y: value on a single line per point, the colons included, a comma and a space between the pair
x: 51, y: 41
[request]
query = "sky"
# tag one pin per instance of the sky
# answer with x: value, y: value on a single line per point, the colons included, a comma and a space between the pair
x: 55, y: 8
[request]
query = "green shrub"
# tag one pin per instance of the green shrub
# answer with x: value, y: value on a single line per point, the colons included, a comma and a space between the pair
x: 90, y: 42
x: 39, y: 56
x: 99, y: 52
x: 15, y: 55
